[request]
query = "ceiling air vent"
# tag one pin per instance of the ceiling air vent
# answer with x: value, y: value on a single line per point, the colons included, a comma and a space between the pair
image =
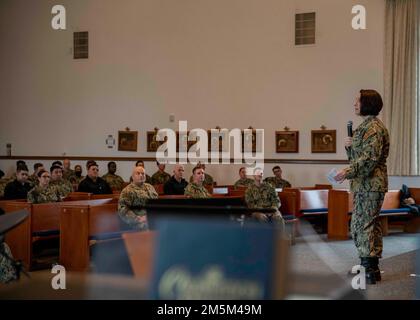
x: 81, y: 45
x: 305, y: 28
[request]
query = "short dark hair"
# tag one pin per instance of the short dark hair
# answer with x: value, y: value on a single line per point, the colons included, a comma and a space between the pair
x: 40, y: 173
x: 77, y: 166
x: 20, y: 162
x: 370, y: 103
x: 1, y: 174
x: 197, y: 167
x: 91, y: 164
x: 240, y: 169
x: 276, y: 167
x: 111, y: 162
x: 57, y: 163
x: 139, y: 161
x: 54, y: 166
x: 22, y: 167
x: 37, y: 165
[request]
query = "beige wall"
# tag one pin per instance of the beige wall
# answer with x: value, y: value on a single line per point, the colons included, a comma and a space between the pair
x: 230, y: 63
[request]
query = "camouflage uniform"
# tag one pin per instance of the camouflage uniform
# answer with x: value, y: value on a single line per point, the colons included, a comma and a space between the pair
x: 160, y: 177
x: 195, y: 191
x: 114, y: 181
x: 264, y: 197
x: 243, y: 183
x: 278, y: 183
x: 44, y: 195
x: 64, y: 187
x: 3, y: 183
x: 148, y: 179
x: 369, y: 183
x: 33, y: 179
x: 132, y: 197
x: 7, y: 270
x: 76, y: 180
x: 68, y: 174
x: 208, y: 179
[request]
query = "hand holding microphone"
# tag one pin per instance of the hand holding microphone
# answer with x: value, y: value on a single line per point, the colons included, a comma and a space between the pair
x: 349, y: 140
x: 350, y: 128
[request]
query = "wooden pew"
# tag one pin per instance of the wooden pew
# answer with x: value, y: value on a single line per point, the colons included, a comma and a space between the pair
x: 413, y: 225
x: 159, y: 189
x: 341, y: 205
x: 83, y: 220
x: 75, y: 196
x: 209, y: 188
x: 19, y: 239
x: 105, y: 196
x: 4, y: 202
x: 43, y: 221
x: 80, y: 221
x: 310, y: 201
x: 140, y: 249
x: 289, y: 213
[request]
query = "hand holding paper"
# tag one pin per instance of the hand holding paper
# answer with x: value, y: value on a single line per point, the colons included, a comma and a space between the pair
x: 331, y: 175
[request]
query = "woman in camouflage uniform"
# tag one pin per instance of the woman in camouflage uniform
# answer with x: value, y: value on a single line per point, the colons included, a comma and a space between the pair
x: 44, y: 192
x: 367, y: 152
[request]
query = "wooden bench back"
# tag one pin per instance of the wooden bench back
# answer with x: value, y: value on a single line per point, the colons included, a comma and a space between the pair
x: 20, y: 238
x: 238, y: 193
x: 45, y: 216
x: 288, y: 202
x: 323, y: 186
x: 391, y: 200
x: 313, y: 199
x: 103, y: 218
x: 159, y: 188
x: 105, y: 196
x: 4, y: 202
x: 415, y: 193
x: 74, y: 196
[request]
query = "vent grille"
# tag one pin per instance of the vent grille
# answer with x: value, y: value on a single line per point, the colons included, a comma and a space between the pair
x: 305, y: 28
x: 81, y: 45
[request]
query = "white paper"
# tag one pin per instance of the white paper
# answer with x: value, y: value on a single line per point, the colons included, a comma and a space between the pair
x: 330, y: 176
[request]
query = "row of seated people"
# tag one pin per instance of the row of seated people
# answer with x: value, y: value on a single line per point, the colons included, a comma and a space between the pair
x: 67, y: 180
x: 133, y: 198
x: 258, y: 193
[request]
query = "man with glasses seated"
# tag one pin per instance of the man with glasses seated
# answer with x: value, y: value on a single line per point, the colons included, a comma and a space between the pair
x: 92, y: 183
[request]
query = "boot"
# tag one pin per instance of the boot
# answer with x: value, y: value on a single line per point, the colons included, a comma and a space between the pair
x: 375, y: 266
x: 368, y: 263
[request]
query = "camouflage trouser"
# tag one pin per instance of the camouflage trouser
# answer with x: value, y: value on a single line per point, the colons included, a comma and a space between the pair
x: 7, y: 270
x: 365, y: 225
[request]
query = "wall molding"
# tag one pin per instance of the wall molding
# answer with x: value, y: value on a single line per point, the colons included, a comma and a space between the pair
x: 152, y: 159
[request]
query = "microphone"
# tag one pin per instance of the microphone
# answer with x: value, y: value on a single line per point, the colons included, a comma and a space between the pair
x: 350, y: 129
